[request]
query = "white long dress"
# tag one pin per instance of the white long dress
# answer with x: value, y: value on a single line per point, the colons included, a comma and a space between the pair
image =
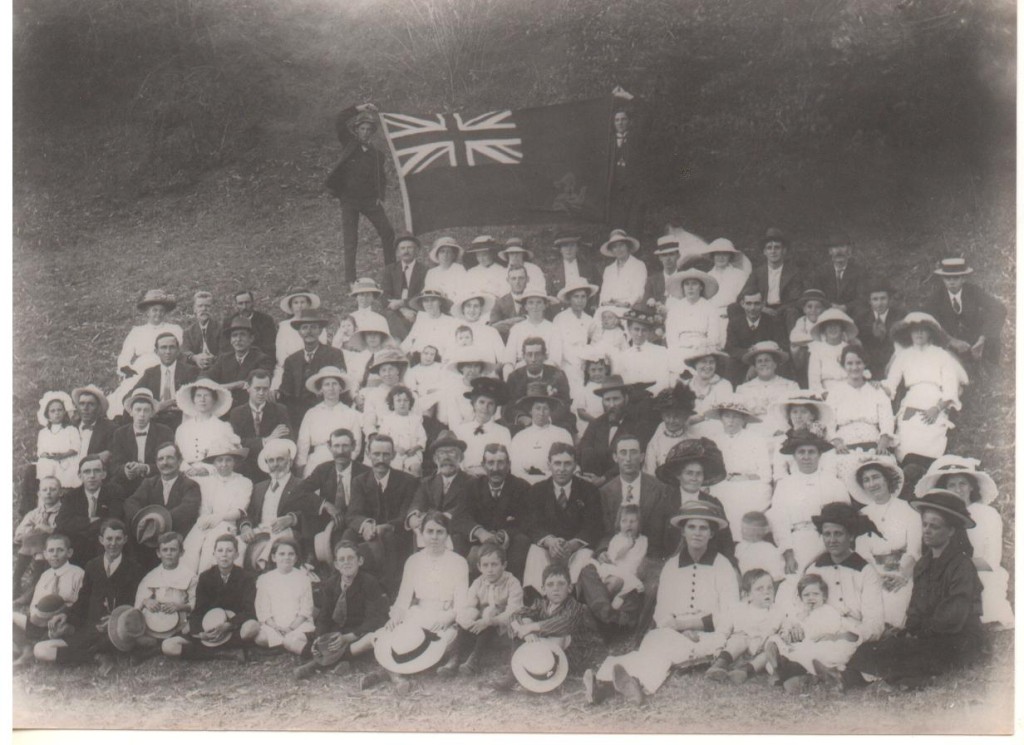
x: 900, y: 525
x: 64, y: 440
x: 219, y: 495
x: 139, y: 353
x: 987, y: 540
x: 744, y: 454
x: 689, y: 328
x: 797, y: 498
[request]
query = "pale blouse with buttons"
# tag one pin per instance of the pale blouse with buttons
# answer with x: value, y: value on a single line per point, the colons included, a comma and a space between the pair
x: 705, y: 588
x: 855, y: 590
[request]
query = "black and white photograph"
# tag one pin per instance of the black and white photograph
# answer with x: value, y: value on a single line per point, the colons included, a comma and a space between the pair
x: 514, y: 366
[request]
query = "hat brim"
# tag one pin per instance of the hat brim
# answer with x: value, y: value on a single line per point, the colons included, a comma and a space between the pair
x: 946, y: 273
x: 498, y: 397
x: 432, y: 653
x: 346, y: 382
x: 286, y: 301
x: 320, y: 321
x: 710, y: 284
x: 91, y: 391
x: 549, y: 682
x: 987, y: 489
x: 448, y: 442
x: 323, y: 657
x: 790, y: 445
x: 184, y: 398
x: 565, y: 292
x: 417, y: 302
x: 161, y: 625
x: 849, y: 328
x: 825, y: 414
x: 900, y: 332
x: 526, y: 403
x: 239, y: 455
x: 49, y: 398
x: 156, y: 511
x: 433, y: 255
x: 921, y: 505
x: 487, y: 369
x: 715, y: 412
x: 169, y: 304
x: 377, y: 365
x: 606, y: 250
x: 668, y: 472
x: 852, y: 480
x: 503, y: 253
x: 121, y: 642
x: 485, y: 312
x: 780, y: 356
x: 676, y: 521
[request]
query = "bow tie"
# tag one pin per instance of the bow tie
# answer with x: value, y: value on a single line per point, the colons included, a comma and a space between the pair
x: 142, y: 434
x: 87, y: 426
x: 479, y: 430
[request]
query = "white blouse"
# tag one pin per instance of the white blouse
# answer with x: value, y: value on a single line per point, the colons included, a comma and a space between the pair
x: 319, y: 422
x: 799, y: 497
x: 933, y: 368
x: 195, y: 437
x: 450, y: 281
x: 730, y: 281
x: 625, y: 284
x: 431, y: 332
x: 692, y: 325
x: 697, y: 589
x: 862, y: 414
x: 900, y: 525
x: 824, y: 372
x: 281, y: 598
x: 987, y: 537
x: 440, y: 583
x: 139, y: 349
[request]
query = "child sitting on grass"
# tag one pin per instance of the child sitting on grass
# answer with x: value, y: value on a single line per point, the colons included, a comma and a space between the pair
x: 284, y: 601
x: 619, y: 565
x: 56, y: 590
x: 493, y: 598
x: 756, y: 619
x: 30, y: 534
x: 167, y: 590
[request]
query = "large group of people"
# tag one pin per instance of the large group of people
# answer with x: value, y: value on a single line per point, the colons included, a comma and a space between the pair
x: 498, y: 466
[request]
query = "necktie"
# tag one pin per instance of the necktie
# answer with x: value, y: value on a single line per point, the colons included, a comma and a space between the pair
x: 629, y: 493
x: 562, y: 499
x: 839, y: 276
x: 166, y: 391
x: 339, y: 495
x: 274, y: 484
x: 92, y: 505
x: 956, y: 305
x: 879, y: 327
x: 106, y: 565
x: 257, y: 419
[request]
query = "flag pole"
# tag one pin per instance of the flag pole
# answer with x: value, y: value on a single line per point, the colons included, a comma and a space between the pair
x: 398, y: 172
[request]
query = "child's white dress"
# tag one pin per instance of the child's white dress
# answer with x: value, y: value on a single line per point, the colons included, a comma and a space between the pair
x: 408, y: 433
x: 282, y: 598
x: 62, y: 440
x: 756, y: 624
x: 822, y: 621
x: 760, y: 555
x: 626, y: 554
x: 426, y: 383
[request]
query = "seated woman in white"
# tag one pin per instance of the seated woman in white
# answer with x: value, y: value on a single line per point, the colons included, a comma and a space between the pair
x: 731, y: 270
x: 386, y: 372
x: 747, y: 486
x: 624, y: 280
x: 767, y: 387
x: 313, y: 442
x: 803, y: 411
x: 864, y: 422
x: 709, y: 388
x: 202, y: 405
x: 833, y: 331
x: 448, y: 275
x: 473, y: 309
x: 139, y: 349
x: 693, y: 322
x: 433, y: 326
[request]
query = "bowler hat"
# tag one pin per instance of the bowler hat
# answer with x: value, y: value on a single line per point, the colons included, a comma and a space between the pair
x: 446, y: 439
x: 237, y: 323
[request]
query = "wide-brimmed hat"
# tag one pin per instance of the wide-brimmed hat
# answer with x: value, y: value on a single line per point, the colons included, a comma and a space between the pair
x: 735, y: 404
x: 320, y: 649
x: 900, y: 331
x: 569, y: 289
x: 441, y: 243
x: 490, y: 387
x: 463, y: 355
x: 853, y: 468
x: 567, y: 236
x: 946, y: 502
x: 184, y: 397
x: 675, y: 282
x: 237, y: 323
x: 275, y: 448
x: 540, y: 391
x: 667, y: 244
x: 47, y: 399
x: 532, y: 291
x: 514, y: 245
x: 612, y: 383
x: 812, y: 293
x: 540, y: 666
x: 125, y: 627
x: 765, y: 347
x: 363, y: 117
x: 257, y: 551
x: 417, y: 302
x: 483, y: 243
x: 706, y: 351
x: 737, y: 258
x: 149, y: 523
x: 292, y: 293
x: 695, y: 509
x: 322, y: 544
x: 953, y: 267
x: 641, y: 314
x: 375, y: 324
x: 445, y: 439
x: 702, y: 450
x: 834, y: 315
x: 955, y: 465
x: 214, y: 619
x: 809, y: 399
x: 408, y: 648
x: 388, y: 356
x: 34, y: 542
x: 619, y: 236
x: 139, y: 394
x: 364, y: 286
x: 157, y: 297
x: 92, y: 390
x: 679, y: 397
x: 226, y: 446
x: 774, y: 234
x: 308, y: 315
x: 485, y: 313
x: 799, y: 437
x: 329, y: 372
x: 618, y: 310
x: 47, y: 607
x: 160, y: 624
x: 594, y: 353
x: 855, y: 522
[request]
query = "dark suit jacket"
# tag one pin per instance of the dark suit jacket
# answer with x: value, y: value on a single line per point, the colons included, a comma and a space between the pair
x: 878, y: 351
x: 183, y: 502
x: 850, y: 292
x: 192, y: 341
x: 102, y: 435
x: 505, y: 309
x: 243, y: 425
x: 295, y: 374
x: 320, y: 486
x: 580, y: 519
x: 350, y: 143
x: 509, y: 512
x: 389, y: 507
x: 655, y: 287
x: 100, y: 594
x: 739, y: 337
x: 366, y: 605
x: 264, y: 330
x: 556, y: 275
x: 790, y: 288
x: 226, y: 369
x: 291, y: 503
x: 153, y: 377
x: 455, y: 503
x: 393, y: 280
x: 655, y: 511
x: 238, y: 594
x: 73, y: 519
x: 980, y: 315
x: 517, y: 383
x: 123, y: 450
x: 595, y: 450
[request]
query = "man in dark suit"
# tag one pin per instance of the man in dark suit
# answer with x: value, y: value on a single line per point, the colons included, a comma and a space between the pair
x: 277, y: 504
x: 169, y: 488
x: 83, y: 510
x: 133, y: 447
x: 95, y: 430
x: 874, y: 324
x: 264, y: 328
x: 381, y: 498
x: 573, y: 267
x: 535, y: 370
x: 359, y: 181
x: 302, y: 365
x: 779, y: 281
x: 509, y: 310
x: 111, y: 580
x: 842, y: 279
x: 201, y: 341
x: 165, y: 379
x: 402, y: 281
x: 627, y: 199
x: 595, y: 449
x: 327, y: 492
x: 231, y: 369
x: 257, y: 421
x: 500, y: 511
x: 447, y: 491
x: 972, y: 318
x: 668, y: 253
x: 565, y: 517
x: 750, y: 327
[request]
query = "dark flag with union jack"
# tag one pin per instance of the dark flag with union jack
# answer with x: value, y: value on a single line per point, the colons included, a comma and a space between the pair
x: 543, y: 165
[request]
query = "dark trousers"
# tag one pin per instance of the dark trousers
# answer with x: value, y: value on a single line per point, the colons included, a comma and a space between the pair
x: 385, y: 556
x: 374, y: 212
x: 627, y: 209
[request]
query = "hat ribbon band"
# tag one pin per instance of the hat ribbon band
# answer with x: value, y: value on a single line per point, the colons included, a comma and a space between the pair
x: 403, y: 657
x: 549, y: 674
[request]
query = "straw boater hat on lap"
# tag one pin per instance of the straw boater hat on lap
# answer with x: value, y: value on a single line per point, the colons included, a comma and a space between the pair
x: 540, y: 666
x: 619, y: 236
x: 946, y: 502
x: 488, y: 303
x: 125, y: 627
x: 408, y: 648
x: 286, y: 302
x: 320, y: 649
x: 47, y: 608
x: 701, y: 450
x: 214, y: 619
x: 48, y: 398
x: 222, y: 395
x: 833, y: 315
x: 955, y: 465
x: 149, y: 523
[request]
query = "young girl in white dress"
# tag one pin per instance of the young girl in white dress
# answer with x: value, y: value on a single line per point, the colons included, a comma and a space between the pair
x: 426, y: 380
x: 284, y: 601
x: 58, y: 443
x: 405, y: 427
x: 607, y: 333
x: 585, y: 403
x: 756, y: 618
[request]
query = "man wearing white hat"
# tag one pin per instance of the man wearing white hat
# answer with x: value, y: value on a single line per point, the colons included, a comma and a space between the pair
x: 668, y: 253
x: 972, y: 318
